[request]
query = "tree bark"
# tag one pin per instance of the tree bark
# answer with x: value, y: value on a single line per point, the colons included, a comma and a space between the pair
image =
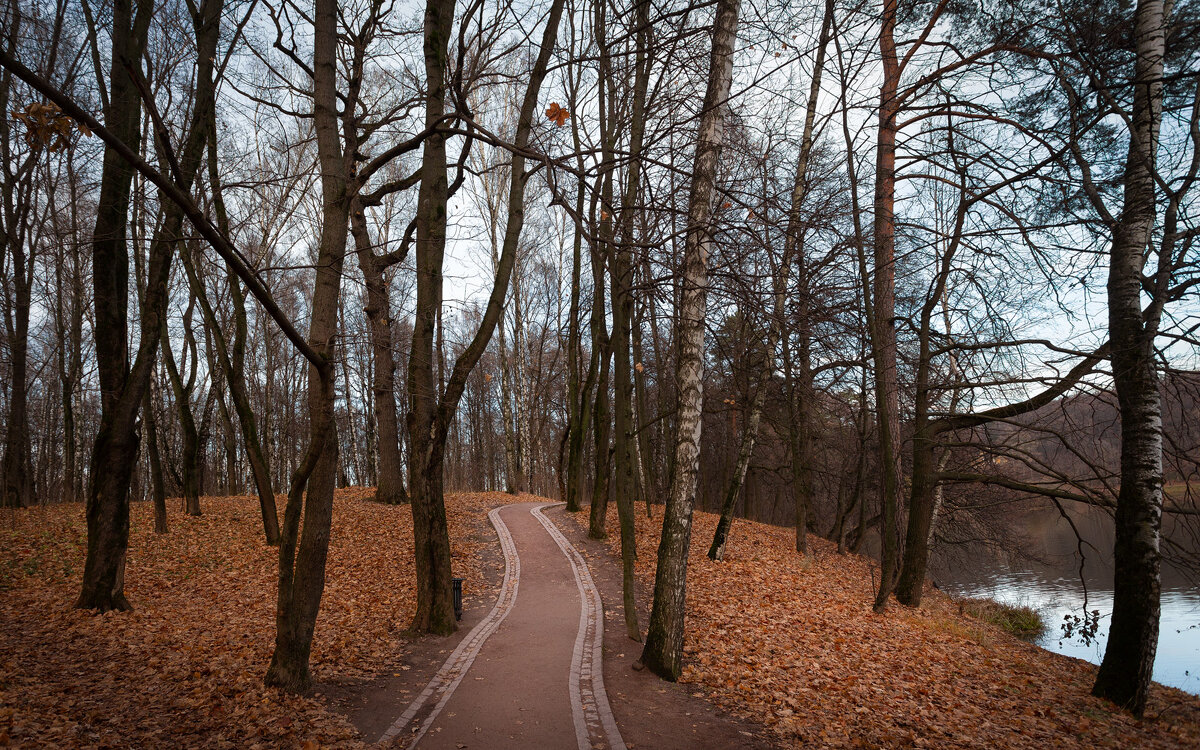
x: 578, y: 393
x: 302, y: 555
x: 883, y: 323
x: 578, y: 400
x: 431, y: 417
x: 625, y: 467
x: 189, y: 438
x: 16, y: 188
x: 519, y: 381
x: 435, y: 609
x: 18, y: 489
x: 159, y: 492
x: 601, y: 421
x: 68, y: 324
x: 122, y: 387
x: 798, y: 374
x: 642, y: 419
x: 231, y: 485
x: 924, y: 485
x: 602, y: 256
x: 390, y: 481
x: 716, y: 550
x: 925, y: 492
x: 233, y: 359
x: 663, y: 653
x: 1126, y: 670
x: 513, y: 481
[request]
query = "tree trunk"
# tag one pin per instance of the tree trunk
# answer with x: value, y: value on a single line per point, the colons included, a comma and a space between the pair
x: 601, y: 424
x: 189, y: 439
x: 159, y: 492
x: 68, y: 320
x: 602, y: 256
x: 577, y: 393
x: 234, y: 362
x: 231, y: 485
x: 520, y: 389
x: 302, y: 555
x: 435, y: 608
x: 882, y: 323
x: 430, y: 418
x: 390, y: 479
x: 1126, y: 670
x: 911, y: 584
x: 16, y: 185
x: 512, y: 462
x: 18, y: 491
x: 663, y: 653
x: 122, y: 387
x: 625, y: 467
x: 716, y: 550
x: 926, y: 493
x: 798, y: 375
x: 645, y: 453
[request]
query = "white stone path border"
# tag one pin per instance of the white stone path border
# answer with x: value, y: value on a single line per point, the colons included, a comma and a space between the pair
x: 455, y: 668
x: 590, y: 710
x: 589, y: 701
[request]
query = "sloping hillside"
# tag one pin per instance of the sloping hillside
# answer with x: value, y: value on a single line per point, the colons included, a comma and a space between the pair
x: 793, y: 643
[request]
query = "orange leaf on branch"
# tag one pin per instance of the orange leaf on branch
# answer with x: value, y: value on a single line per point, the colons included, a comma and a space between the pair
x: 558, y: 115
x: 47, y: 126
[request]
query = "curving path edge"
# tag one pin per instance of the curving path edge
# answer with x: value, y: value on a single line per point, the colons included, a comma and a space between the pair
x: 456, y: 665
x: 589, y: 701
x: 592, y: 717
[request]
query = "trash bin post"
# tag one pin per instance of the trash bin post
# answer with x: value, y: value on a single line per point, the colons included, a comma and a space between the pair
x: 458, y: 582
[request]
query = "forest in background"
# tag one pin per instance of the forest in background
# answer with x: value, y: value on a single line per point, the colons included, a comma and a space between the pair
x: 834, y: 264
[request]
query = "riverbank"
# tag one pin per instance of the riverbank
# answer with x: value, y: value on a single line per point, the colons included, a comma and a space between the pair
x: 793, y: 644
x: 1041, y: 570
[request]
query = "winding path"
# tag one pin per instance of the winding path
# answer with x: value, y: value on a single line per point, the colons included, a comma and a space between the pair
x: 503, y: 687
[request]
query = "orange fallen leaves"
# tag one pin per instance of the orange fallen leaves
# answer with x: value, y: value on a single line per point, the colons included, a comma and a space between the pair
x: 795, y: 646
x: 185, y: 667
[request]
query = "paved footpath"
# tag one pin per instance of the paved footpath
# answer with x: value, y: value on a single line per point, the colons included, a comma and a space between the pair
x: 529, y: 674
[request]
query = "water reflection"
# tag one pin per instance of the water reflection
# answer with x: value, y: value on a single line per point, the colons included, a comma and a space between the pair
x: 1178, y: 660
x: 1052, y: 585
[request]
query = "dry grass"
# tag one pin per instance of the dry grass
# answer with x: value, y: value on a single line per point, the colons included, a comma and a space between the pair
x: 1019, y: 620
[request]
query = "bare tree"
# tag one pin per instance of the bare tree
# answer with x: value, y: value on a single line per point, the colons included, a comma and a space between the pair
x: 1128, y: 664
x: 122, y: 385
x: 663, y: 653
x: 431, y: 409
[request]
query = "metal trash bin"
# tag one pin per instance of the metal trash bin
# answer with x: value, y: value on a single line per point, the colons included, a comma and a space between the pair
x: 457, y: 598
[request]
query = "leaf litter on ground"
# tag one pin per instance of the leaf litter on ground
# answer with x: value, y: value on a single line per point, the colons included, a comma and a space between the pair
x: 185, y: 667
x: 792, y: 643
x: 788, y: 642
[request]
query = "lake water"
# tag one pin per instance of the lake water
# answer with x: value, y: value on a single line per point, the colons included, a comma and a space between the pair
x: 1053, y: 586
x: 1178, y: 659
